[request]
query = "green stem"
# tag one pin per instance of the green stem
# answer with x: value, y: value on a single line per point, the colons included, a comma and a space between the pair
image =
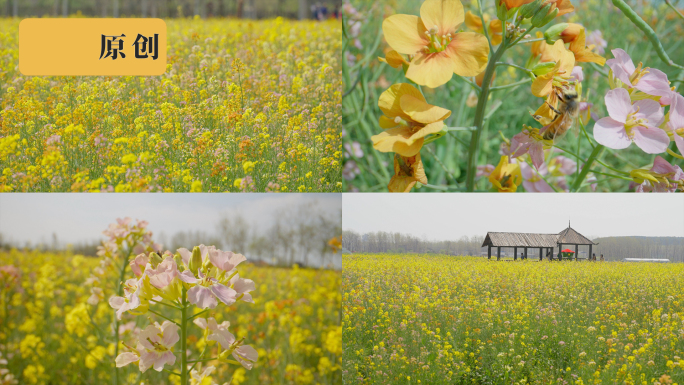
x: 510, y: 85
x: 479, y: 117
x: 587, y: 167
x: 184, y: 332
x: 198, y: 314
x: 163, y: 316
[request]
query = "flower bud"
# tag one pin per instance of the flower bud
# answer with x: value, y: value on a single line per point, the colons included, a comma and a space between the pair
x: 543, y: 68
x: 541, y: 14
x: 549, y: 17
x: 195, y: 260
x: 179, y: 262
x: 528, y: 10
x: 554, y: 33
x: 155, y: 259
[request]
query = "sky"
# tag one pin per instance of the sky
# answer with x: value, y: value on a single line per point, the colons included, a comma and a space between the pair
x: 78, y: 218
x: 451, y: 216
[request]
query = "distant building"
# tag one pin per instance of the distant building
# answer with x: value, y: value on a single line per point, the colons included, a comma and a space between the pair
x: 545, y: 243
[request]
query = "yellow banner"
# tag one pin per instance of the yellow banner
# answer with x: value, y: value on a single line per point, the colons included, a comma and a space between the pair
x: 76, y: 47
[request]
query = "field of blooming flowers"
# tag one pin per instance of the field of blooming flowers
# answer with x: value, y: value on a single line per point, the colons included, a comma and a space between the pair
x: 243, y: 106
x: 412, y: 319
x: 434, y: 101
x: 59, y: 313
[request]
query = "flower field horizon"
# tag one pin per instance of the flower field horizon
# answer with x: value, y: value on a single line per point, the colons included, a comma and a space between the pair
x: 425, y: 319
x: 244, y: 106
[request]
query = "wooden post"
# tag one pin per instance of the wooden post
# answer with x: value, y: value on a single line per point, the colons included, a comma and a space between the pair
x: 515, y: 253
x: 526, y: 253
x: 590, y: 254
x: 489, y: 251
x: 498, y: 253
x: 541, y: 255
x: 576, y: 253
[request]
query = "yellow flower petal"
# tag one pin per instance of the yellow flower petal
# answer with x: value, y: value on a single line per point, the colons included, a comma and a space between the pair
x: 405, y: 33
x: 431, y: 128
x: 582, y: 54
x: 389, y: 100
x: 445, y: 14
x: 403, y: 182
x: 474, y: 22
x: 394, y: 59
x: 495, y: 31
x: 421, y: 111
x: 543, y: 84
x: 386, y: 122
x: 431, y: 70
x: 469, y: 52
x: 397, y: 140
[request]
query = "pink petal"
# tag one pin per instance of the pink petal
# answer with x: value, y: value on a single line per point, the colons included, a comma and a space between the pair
x: 676, y: 113
x: 654, y: 81
x: 618, y: 104
x: 679, y: 141
x: 165, y: 358
x: 116, y: 302
x: 126, y: 358
x: 649, y: 109
x: 202, y: 297
x: 537, y: 154
x: 242, y: 285
x: 244, y: 353
x: 224, y: 293
x: 170, y: 332
x: 201, y: 322
x: 187, y: 277
x: 577, y: 74
x: 223, y: 337
x: 185, y: 255
x: 622, y: 65
x: 651, y: 140
x: 150, y: 333
x: 611, y: 134
x: 147, y: 359
x: 661, y: 166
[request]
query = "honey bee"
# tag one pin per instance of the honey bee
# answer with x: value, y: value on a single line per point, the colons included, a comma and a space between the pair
x: 566, y: 115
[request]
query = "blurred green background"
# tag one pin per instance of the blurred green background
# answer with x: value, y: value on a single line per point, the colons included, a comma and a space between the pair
x: 445, y: 159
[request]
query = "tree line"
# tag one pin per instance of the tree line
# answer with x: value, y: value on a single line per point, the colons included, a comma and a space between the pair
x: 295, y: 235
x: 613, y: 248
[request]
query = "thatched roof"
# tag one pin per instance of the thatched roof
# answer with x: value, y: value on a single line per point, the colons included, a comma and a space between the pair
x: 568, y: 236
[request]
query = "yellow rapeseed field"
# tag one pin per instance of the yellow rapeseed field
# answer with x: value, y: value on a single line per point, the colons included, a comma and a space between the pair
x: 425, y: 319
x: 243, y: 106
x: 50, y: 334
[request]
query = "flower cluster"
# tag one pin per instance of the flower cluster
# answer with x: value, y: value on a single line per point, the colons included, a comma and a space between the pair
x: 242, y: 104
x: 203, y: 277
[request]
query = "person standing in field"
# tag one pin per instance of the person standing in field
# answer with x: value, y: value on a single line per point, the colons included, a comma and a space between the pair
x: 602, y: 258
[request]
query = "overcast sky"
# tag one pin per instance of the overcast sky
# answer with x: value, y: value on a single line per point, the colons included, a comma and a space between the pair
x: 450, y: 216
x: 82, y: 217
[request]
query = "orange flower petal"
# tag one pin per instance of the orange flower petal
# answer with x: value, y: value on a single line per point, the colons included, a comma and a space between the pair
x: 421, y: 111
x: 495, y: 31
x: 405, y: 33
x: 445, y: 14
x: 397, y: 140
x: 431, y: 70
x: 431, y: 128
x: 469, y: 52
x: 473, y: 22
x: 389, y: 101
x: 582, y: 54
x: 394, y: 59
x: 386, y: 122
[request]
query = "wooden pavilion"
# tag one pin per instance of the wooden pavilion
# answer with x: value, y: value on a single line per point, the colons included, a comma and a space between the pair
x: 543, y: 242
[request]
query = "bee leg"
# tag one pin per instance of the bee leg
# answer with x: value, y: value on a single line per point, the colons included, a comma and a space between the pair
x: 558, y: 113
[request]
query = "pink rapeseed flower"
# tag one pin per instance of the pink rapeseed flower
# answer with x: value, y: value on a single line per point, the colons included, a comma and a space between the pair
x: 650, y: 81
x: 676, y: 123
x: 629, y: 123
